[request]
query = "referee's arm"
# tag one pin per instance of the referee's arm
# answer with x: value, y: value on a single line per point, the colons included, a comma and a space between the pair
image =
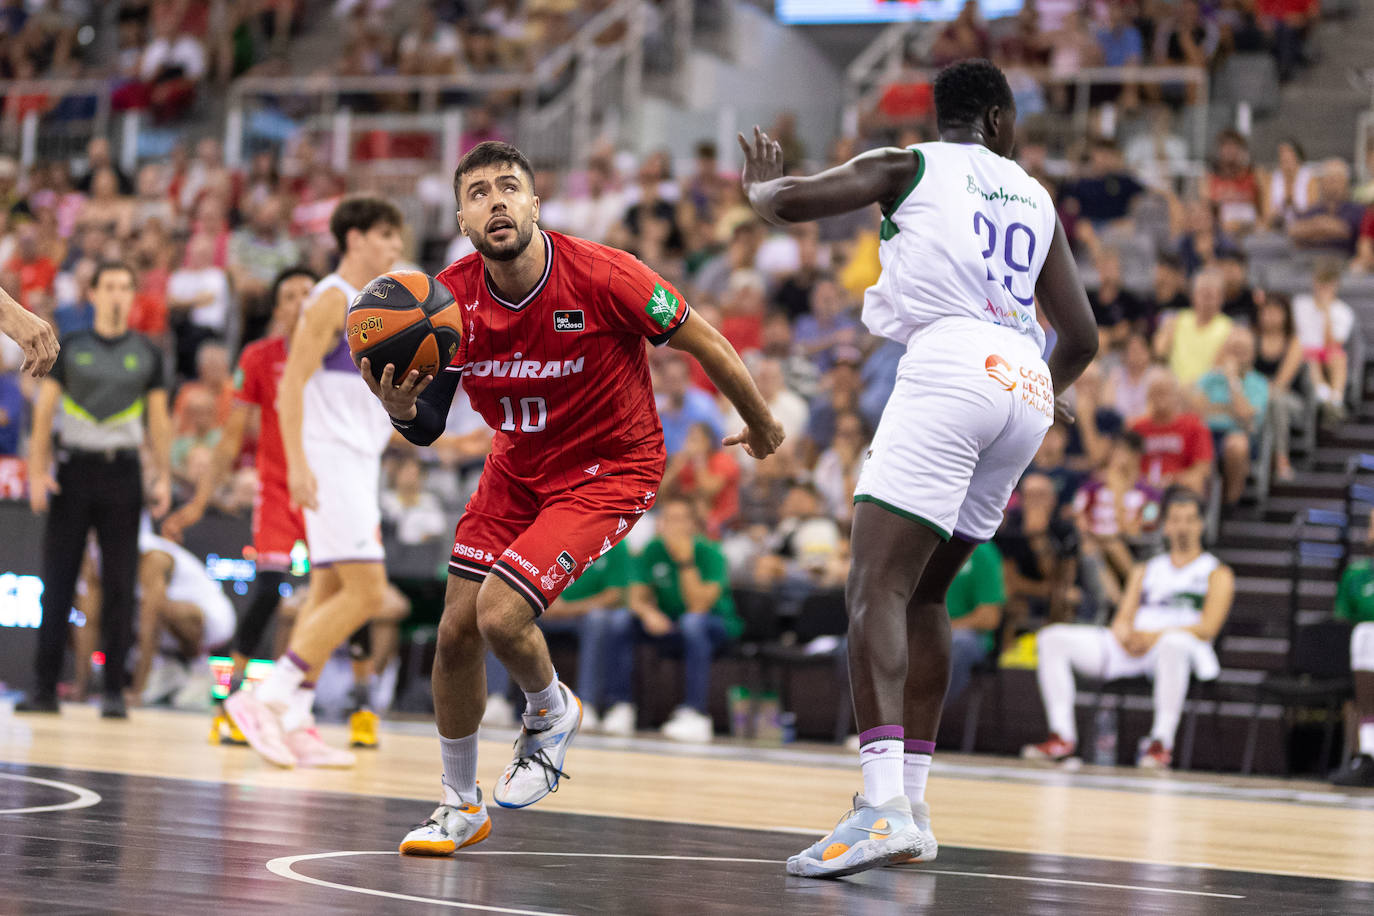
x: 41, y: 481
x: 160, y: 446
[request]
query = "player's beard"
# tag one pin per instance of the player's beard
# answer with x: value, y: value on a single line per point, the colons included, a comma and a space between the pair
x: 507, y: 251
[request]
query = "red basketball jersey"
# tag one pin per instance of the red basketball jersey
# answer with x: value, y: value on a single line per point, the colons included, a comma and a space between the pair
x: 260, y: 369
x: 562, y: 375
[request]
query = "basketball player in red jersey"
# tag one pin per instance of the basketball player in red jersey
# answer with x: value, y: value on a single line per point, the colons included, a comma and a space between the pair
x: 553, y: 357
x: 277, y: 525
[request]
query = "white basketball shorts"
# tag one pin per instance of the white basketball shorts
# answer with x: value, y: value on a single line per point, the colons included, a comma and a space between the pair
x: 346, y: 526
x: 218, y: 619
x: 972, y: 403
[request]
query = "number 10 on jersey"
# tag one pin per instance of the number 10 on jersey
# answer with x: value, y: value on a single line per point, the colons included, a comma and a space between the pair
x: 534, y: 413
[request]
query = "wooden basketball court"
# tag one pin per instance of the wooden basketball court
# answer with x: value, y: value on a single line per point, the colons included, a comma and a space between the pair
x: 145, y: 816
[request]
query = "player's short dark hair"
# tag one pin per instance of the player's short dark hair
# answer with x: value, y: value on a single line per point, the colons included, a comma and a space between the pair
x: 286, y: 273
x: 489, y: 152
x: 966, y: 90
x: 1181, y: 496
x: 363, y: 214
x: 105, y: 267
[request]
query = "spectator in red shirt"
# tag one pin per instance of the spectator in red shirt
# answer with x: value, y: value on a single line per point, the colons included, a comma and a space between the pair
x: 1232, y: 185
x: 1112, y: 508
x: 36, y: 270
x: 1287, y: 21
x: 705, y: 471
x: 1364, y: 246
x: 742, y: 311
x: 1178, y: 446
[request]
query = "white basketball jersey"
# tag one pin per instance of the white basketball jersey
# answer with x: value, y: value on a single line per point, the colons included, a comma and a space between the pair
x: 190, y: 582
x: 967, y: 238
x: 1171, y: 596
x: 340, y: 411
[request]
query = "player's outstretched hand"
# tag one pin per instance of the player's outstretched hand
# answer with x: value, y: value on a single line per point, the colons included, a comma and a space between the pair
x: 398, y: 399
x: 758, y: 441
x: 762, y: 158
x: 34, y: 336
x: 1063, y: 413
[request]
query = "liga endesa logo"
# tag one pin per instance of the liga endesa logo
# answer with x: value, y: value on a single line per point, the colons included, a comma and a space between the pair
x: 1000, y: 371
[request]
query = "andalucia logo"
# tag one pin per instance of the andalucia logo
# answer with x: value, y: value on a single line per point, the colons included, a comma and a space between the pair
x: 661, y: 307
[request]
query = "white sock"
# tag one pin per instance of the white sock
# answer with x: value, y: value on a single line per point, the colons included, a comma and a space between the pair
x: 1367, y: 737
x: 880, y: 759
x: 298, y: 711
x: 460, y: 765
x: 288, y: 673
x: 543, y: 706
x: 916, y: 769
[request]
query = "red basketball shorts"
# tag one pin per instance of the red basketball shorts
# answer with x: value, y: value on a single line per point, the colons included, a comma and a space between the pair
x: 538, y: 546
x: 277, y: 526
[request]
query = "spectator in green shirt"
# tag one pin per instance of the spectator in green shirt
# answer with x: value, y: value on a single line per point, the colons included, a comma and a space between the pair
x: 1355, y: 603
x: 974, y: 600
x: 680, y: 599
x: 585, y: 610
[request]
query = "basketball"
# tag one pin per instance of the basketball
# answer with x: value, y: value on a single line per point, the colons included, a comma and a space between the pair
x: 406, y: 319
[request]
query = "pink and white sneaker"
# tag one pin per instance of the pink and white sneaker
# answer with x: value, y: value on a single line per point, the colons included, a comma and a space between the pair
x: 260, y: 727
x: 311, y: 751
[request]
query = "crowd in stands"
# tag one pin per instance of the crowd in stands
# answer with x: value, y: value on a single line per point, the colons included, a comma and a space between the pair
x: 1203, y: 373
x: 1056, y: 38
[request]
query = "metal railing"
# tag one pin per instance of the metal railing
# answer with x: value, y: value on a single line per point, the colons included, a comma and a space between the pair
x: 559, y: 104
x: 881, y: 65
x: 55, y: 135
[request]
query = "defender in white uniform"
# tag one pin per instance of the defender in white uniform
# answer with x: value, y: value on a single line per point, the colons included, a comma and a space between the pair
x: 333, y: 433
x: 343, y: 433
x: 1174, y: 606
x: 970, y: 245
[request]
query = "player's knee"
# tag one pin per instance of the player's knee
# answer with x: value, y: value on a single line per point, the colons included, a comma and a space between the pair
x: 502, y: 615
x: 458, y: 636
x: 1176, y: 644
x: 872, y: 597
x: 1051, y: 639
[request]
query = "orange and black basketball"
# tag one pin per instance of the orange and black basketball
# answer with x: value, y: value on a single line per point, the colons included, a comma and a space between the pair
x: 406, y: 319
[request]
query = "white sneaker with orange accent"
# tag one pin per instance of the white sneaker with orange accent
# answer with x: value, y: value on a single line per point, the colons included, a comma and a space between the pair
x: 311, y: 751
x: 538, y: 763
x: 869, y: 836
x: 453, y: 825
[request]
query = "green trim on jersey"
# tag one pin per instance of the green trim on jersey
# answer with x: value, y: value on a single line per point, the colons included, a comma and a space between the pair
x: 909, y: 516
x: 133, y: 412
x: 888, y: 228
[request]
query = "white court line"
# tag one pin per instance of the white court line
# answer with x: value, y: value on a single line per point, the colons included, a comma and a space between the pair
x: 1117, y: 887
x: 282, y: 867
x: 84, y: 797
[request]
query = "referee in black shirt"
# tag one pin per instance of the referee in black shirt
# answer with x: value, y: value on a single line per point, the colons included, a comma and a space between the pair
x: 105, y: 383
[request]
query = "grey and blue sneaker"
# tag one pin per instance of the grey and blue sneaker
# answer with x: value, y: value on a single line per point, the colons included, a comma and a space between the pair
x: 538, y: 763
x: 869, y: 836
